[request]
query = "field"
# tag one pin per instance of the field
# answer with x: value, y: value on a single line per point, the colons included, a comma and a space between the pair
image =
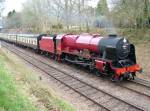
x: 21, y: 89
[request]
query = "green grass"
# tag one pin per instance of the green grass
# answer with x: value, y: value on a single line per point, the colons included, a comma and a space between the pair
x: 11, y: 99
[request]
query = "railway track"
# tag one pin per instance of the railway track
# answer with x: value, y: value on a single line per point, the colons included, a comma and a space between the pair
x: 141, y: 82
x: 144, y: 86
x: 98, y: 97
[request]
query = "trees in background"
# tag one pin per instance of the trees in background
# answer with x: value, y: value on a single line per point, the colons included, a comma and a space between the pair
x: 46, y: 15
x: 132, y: 13
x: 13, y: 20
x: 126, y: 13
x: 102, y: 8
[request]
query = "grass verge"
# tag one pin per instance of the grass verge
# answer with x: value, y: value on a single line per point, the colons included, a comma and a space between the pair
x: 46, y: 99
x: 11, y: 99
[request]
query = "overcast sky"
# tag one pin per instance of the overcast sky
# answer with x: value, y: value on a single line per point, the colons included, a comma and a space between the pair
x: 13, y: 4
x: 17, y: 5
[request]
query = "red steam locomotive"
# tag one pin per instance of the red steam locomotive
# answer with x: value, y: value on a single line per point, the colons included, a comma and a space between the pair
x: 113, y: 56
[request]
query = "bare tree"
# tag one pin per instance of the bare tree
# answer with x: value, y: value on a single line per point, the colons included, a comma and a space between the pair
x: 1, y: 10
x: 43, y: 15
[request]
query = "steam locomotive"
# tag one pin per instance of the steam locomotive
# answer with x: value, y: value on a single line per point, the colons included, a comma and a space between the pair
x: 113, y: 56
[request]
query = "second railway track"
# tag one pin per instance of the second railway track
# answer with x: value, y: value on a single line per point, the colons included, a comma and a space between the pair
x: 98, y: 97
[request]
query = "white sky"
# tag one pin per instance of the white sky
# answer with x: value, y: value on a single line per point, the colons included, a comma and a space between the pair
x: 93, y: 3
x: 13, y: 4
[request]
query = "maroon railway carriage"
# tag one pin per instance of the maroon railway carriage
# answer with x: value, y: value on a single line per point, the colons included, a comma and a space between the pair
x: 113, y: 56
